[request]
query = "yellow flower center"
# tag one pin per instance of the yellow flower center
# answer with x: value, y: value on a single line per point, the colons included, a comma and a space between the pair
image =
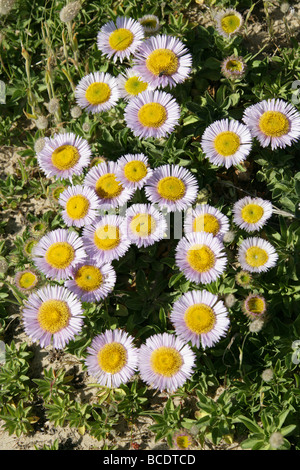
x: 183, y: 442
x: 65, y: 157
x: 135, y: 171
x: 112, y: 358
x: 252, y: 213
x: 227, y: 143
x: 53, y: 315
x: 143, y: 225
x: 107, y: 186
x: 234, y: 65
x: 107, y: 237
x: 206, y: 223
x: 274, y: 124
x: 200, y: 318
x: 77, y: 207
x: 162, y: 61
x: 171, y: 188
x: 230, y: 23
x: 134, y: 86
x: 166, y: 361
x: 98, y: 93
x: 256, y: 256
x: 60, y: 255
x: 201, y: 258
x: 120, y: 39
x: 88, y: 278
x: 256, y: 305
x: 27, y: 280
x: 152, y: 115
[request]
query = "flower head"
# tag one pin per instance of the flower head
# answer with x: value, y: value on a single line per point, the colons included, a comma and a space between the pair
x: 106, y: 239
x: 112, y: 358
x: 52, y: 313
x: 201, y: 257
x: 251, y: 213
x: 163, y: 61
x: 97, y: 92
x: 64, y: 155
x: 274, y: 122
x: 200, y: 317
x: 68, y: 12
x: 228, y: 22
x: 120, y: 39
x: 131, y: 84
x: 57, y: 253
x: 233, y: 67
x: 226, y: 142
x: 244, y: 279
x: 276, y: 440
x: 133, y: 170
x: 150, y: 23
x: 145, y: 224
x: 103, y: 180
x: 256, y: 255
x: 26, y: 280
x: 206, y: 218
x: 80, y: 204
x: 152, y: 114
x: 172, y: 187
x: 165, y: 362
x: 182, y: 440
x: 254, y: 306
x: 6, y: 6
x: 92, y: 282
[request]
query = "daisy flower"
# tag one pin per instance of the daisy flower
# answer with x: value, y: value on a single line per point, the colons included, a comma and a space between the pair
x: 206, y: 218
x: 182, y: 440
x: 52, y: 314
x: 102, y: 179
x: 152, y: 114
x: 274, y: 122
x: 97, y: 92
x: 26, y: 280
x: 57, y: 253
x: 92, y: 282
x: 172, y: 187
x: 254, y: 306
x: 112, y: 358
x: 163, y: 61
x: 228, y: 22
x: 145, y: 224
x: 201, y: 257
x: 106, y: 239
x: 256, y: 255
x: 79, y: 204
x: 226, y: 142
x: 150, y: 23
x: 64, y: 155
x: 133, y: 170
x: 121, y: 39
x: 198, y: 316
x: 131, y: 84
x: 233, y: 67
x: 165, y: 362
x: 251, y: 213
